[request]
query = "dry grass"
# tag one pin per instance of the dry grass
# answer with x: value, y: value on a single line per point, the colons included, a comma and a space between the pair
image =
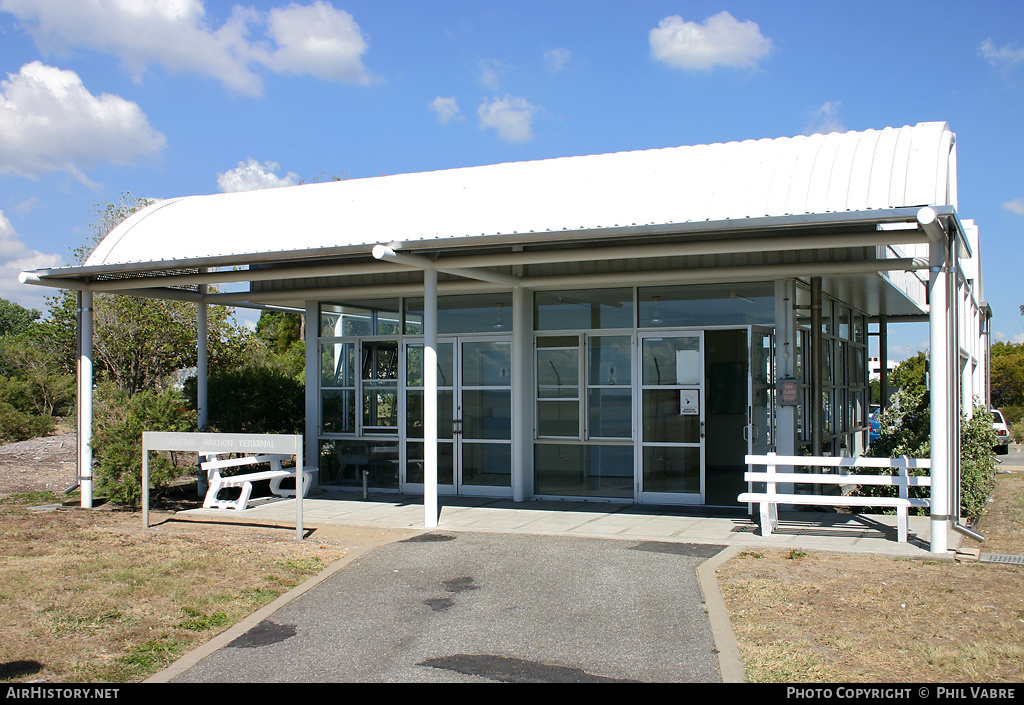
x: 89, y: 596
x: 839, y: 618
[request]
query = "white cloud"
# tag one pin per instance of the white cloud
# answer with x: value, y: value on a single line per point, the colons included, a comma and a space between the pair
x: 1015, y: 206
x: 50, y: 122
x: 511, y: 116
x: 825, y: 119
x: 488, y: 73
x: 557, y: 59
x: 1001, y: 58
x: 315, y: 39
x: 16, y: 257
x: 721, y: 41
x: 251, y: 175
x: 447, y: 109
x: 318, y: 40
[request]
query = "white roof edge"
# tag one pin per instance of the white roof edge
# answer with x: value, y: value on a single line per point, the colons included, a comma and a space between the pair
x: 873, y: 170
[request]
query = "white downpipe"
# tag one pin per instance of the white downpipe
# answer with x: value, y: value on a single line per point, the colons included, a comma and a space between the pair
x: 85, y: 374
x: 202, y: 361
x: 938, y: 320
x: 430, y: 398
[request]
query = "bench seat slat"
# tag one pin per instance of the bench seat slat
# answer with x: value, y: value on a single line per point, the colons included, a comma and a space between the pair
x: 832, y: 500
x: 828, y: 479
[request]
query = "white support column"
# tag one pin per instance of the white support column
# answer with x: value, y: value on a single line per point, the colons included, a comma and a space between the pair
x: 939, y: 376
x: 520, y: 358
x: 430, y: 398
x: 202, y: 370
x: 313, y: 390
x: 85, y: 374
x: 202, y: 366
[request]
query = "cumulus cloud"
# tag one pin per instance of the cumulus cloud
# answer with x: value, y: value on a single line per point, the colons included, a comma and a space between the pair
x: 1001, y: 58
x: 557, y: 59
x: 446, y: 109
x: 50, y: 122
x: 15, y: 258
x: 825, y: 119
x: 511, y: 116
x: 312, y: 39
x: 721, y: 41
x: 1015, y: 206
x: 251, y: 175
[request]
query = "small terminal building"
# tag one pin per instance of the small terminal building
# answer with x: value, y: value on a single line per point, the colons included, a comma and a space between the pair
x: 620, y: 327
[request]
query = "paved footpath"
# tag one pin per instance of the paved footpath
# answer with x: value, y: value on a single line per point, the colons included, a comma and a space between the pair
x: 476, y: 607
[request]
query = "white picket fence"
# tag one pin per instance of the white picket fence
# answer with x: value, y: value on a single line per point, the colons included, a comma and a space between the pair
x: 771, y: 498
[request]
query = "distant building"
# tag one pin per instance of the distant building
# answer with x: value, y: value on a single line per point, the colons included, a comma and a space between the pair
x: 875, y: 367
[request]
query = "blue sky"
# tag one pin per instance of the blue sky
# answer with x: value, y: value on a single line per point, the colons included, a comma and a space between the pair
x: 166, y: 98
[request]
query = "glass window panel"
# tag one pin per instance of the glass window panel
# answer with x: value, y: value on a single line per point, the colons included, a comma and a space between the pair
x: 701, y: 305
x: 343, y: 462
x: 414, y: 365
x: 611, y: 413
x: 380, y: 407
x: 583, y: 470
x: 558, y: 373
x: 338, y: 411
x: 376, y: 317
x: 337, y: 365
x: 558, y: 418
x: 380, y: 359
x: 414, y: 413
x: 486, y: 363
x: 583, y: 309
x: 486, y: 414
x: 474, y: 313
x: 662, y: 422
x: 610, y: 362
x: 671, y: 469
x: 672, y: 360
x: 843, y: 319
x: 487, y: 464
x: 445, y: 463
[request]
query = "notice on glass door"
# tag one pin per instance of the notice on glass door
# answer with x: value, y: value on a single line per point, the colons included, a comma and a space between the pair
x: 689, y: 402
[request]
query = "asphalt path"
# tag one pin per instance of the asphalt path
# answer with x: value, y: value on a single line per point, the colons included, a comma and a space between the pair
x: 474, y: 607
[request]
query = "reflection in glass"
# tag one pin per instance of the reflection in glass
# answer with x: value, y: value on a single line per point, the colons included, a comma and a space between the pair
x: 583, y: 470
x: 559, y: 419
x: 671, y: 361
x: 486, y: 363
x: 337, y: 364
x: 611, y: 413
x: 343, y: 463
x: 487, y: 414
x: 671, y: 469
x: 338, y: 411
x: 706, y: 305
x: 558, y: 373
x: 609, y: 360
x: 583, y: 309
x: 662, y: 420
x: 445, y: 463
x: 474, y: 313
x: 488, y: 464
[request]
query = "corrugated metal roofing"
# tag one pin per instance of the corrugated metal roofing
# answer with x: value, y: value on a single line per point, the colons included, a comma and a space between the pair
x: 853, y: 171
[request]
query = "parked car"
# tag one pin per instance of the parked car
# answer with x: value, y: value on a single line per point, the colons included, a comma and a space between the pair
x: 1002, y: 430
x: 874, y: 425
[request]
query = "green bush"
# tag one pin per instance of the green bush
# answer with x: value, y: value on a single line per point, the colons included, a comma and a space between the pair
x: 905, y: 430
x: 252, y: 400
x: 16, y: 425
x: 117, y: 441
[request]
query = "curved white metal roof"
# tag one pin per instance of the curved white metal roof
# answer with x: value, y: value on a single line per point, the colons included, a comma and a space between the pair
x: 853, y: 171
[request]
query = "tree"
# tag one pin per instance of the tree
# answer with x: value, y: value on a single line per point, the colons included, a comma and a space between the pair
x: 15, y: 318
x: 1007, y: 375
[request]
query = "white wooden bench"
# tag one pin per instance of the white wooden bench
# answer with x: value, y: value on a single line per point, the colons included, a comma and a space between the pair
x: 276, y: 474
x: 770, y: 499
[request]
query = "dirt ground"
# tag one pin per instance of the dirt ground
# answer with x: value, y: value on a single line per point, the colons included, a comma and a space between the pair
x: 89, y: 596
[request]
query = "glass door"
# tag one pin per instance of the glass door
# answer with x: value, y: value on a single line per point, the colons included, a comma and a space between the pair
x: 671, y: 423
x: 760, y: 432
x: 474, y: 410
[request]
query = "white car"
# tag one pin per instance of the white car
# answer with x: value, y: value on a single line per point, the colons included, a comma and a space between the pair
x: 1002, y: 432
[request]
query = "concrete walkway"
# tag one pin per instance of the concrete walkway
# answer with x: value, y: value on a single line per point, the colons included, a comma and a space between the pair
x: 354, y: 624
x: 821, y: 531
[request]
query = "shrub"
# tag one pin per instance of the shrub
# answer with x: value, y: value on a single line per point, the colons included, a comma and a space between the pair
x: 905, y: 430
x: 117, y: 441
x: 252, y: 400
x: 16, y: 425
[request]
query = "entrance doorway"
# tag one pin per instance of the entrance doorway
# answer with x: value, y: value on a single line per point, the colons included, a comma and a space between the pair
x: 474, y: 426
x: 705, y: 402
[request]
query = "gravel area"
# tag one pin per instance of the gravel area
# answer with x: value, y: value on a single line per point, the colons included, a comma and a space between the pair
x: 38, y: 465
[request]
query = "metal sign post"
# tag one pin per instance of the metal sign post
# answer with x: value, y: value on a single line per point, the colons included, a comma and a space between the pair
x: 207, y: 443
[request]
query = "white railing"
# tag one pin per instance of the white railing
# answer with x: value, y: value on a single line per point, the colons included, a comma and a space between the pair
x: 771, y: 498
